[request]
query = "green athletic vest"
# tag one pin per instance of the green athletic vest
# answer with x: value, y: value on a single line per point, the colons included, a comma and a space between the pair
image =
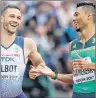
x: 84, y: 80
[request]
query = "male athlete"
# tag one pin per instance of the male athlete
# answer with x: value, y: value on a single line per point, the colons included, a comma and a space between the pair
x: 83, y: 55
x: 15, y: 52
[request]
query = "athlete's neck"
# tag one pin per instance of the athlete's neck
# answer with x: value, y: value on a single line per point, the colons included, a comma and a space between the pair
x: 87, y: 33
x: 7, y: 38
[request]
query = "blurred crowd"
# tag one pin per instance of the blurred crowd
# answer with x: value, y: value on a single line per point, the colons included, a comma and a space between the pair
x: 49, y: 24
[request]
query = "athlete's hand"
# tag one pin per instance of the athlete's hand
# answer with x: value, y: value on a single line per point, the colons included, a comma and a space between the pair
x: 36, y: 73
x: 80, y: 63
x: 41, y: 71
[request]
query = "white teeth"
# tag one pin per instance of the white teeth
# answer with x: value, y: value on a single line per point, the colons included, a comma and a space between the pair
x: 13, y: 25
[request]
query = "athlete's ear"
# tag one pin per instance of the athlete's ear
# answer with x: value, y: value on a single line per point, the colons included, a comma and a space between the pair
x: 2, y: 18
x: 89, y: 16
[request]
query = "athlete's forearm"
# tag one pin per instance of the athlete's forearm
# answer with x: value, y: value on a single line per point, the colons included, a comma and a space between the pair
x: 65, y: 78
x: 92, y: 66
x: 36, y: 59
x: 68, y: 78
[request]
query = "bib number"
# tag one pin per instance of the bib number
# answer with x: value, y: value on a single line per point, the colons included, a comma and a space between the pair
x: 80, y: 76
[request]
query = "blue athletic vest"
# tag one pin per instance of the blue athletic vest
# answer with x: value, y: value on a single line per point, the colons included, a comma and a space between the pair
x: 12, y: 68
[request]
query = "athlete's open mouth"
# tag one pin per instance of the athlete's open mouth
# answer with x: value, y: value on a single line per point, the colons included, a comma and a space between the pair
x: 75, y: 23
x: 13, y: 25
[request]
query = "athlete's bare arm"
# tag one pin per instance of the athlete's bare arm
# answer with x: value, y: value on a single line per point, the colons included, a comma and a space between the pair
x: 31, y: 52
x: 67, y: 78
x: 45, y: 70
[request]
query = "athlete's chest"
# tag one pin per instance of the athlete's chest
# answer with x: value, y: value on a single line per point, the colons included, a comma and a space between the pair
x: 12, y: 62
x: 84, y: 50
x: 13, y: 54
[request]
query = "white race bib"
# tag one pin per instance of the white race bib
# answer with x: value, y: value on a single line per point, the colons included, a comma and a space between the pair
x: 80, y: 76
x: 9, y: 72
x: 9, y: 76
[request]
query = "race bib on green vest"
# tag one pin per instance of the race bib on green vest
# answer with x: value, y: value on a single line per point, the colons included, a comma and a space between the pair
x: 80, y: 76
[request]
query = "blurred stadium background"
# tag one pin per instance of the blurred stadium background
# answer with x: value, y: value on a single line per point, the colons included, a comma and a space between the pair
x: 49, y: 24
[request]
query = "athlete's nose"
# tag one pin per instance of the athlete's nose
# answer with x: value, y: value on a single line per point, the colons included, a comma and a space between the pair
x: 15, y: 21
x: 74, y: 18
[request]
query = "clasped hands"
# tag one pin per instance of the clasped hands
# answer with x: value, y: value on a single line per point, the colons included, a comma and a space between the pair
x: 79, y: 63
x: 40, y: 70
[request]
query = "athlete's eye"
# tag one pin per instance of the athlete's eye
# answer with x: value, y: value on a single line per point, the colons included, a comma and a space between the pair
x: 76, y: 14
x: 12, y: 16
x: 19, y: 18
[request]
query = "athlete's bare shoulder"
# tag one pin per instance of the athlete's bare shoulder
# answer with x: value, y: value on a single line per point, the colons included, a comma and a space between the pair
x: 70, y: 45
x: 30, y: 44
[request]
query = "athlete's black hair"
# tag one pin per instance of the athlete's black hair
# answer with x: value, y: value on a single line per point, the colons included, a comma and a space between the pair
x: 9, y: 6
x: 85, y: 3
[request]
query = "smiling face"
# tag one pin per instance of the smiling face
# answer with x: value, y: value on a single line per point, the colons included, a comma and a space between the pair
x: 80, y: 19
x: 11, y: 20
